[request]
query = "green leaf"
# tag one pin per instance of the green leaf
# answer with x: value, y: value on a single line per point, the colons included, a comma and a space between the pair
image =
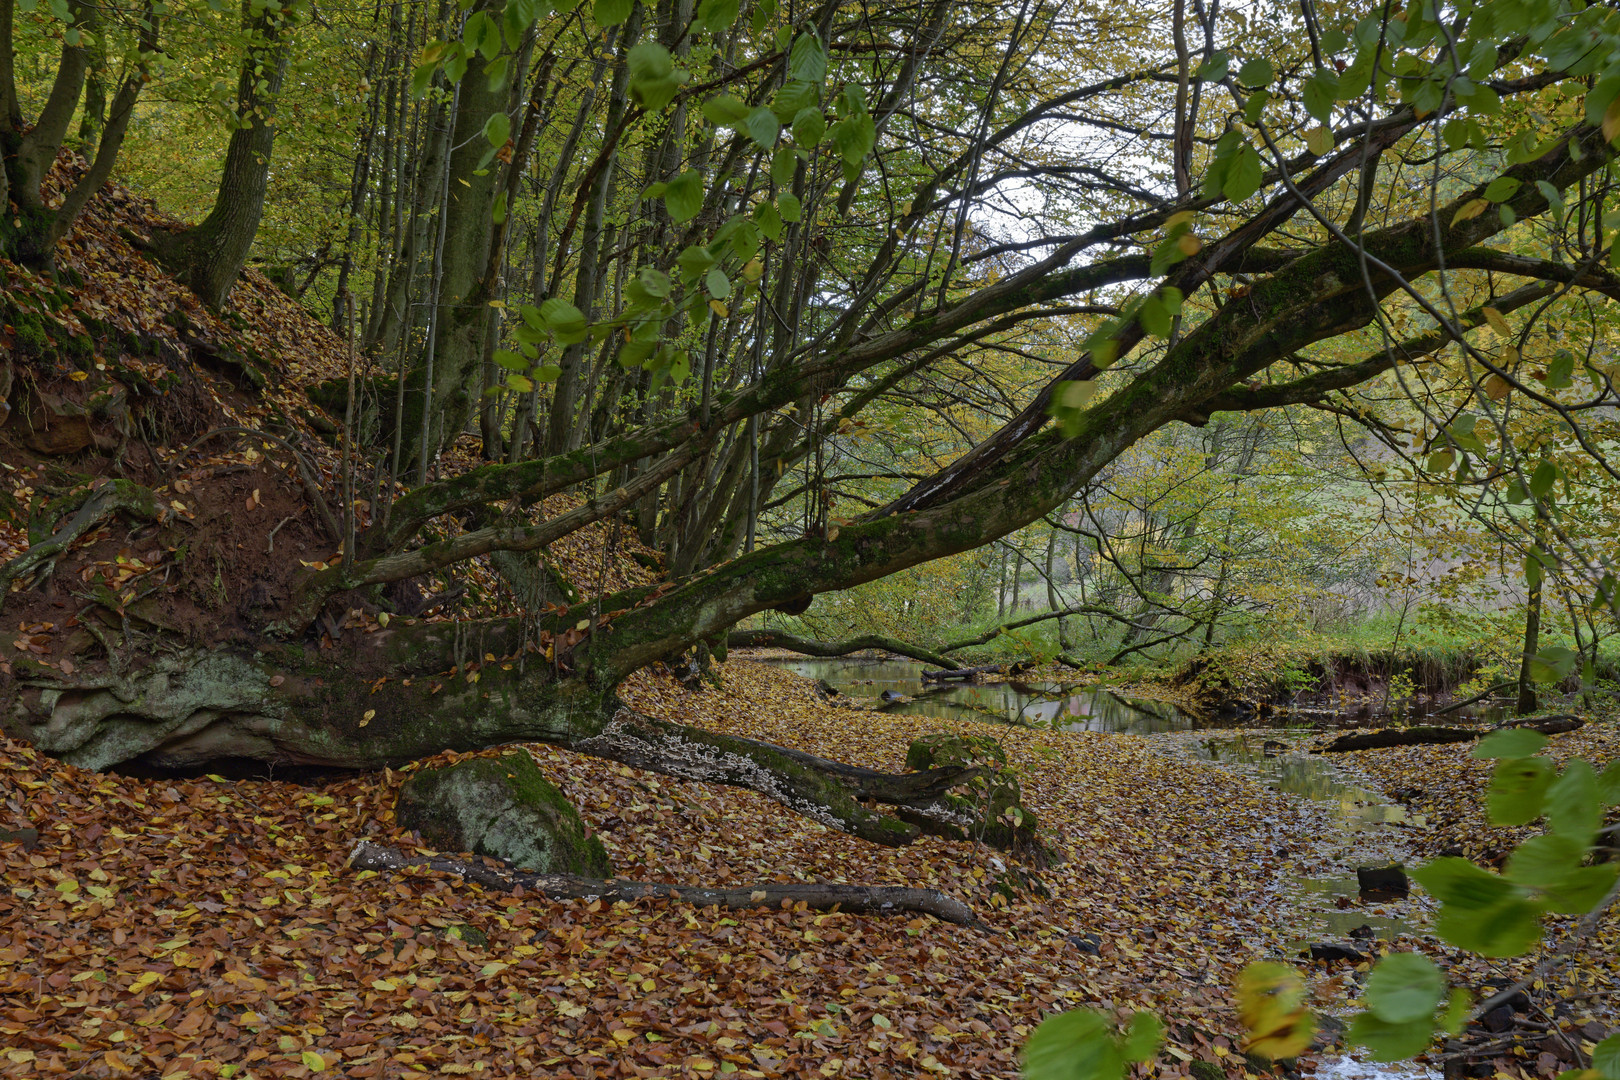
x: 1391, y: 1041
x: 808, y: 128
x: 793, y: 99
x: 1510, y: 743
x: 725, y: 110
x: 1553, y: 663
x: 1255, y: 107
x: 1143, y: 1039
x: 683, y: 196
x: 1243, y: 178
x: 1214, y: 67
x: 807, y: 62
x: 1154, y: 317
x: 1509, y: 929
x: 783, y: 165
x: 1405, y: 988
x: 695, y: 262
x: 770, y: 222
x: 495, y: 72
x: 1502, y: 188
x: 1075, y: 1045
x: 1319, y: 141
x: 854, y: 136
x: 1257, y: 72
x: 1544, y: 858
x: 1580, y: 890
x: 1518, y: 788
x: 1606, y: 1057
x: 1542, y: 480
x: 1608, y: 784
x: 498, y: 130
x: 761, y: 125
x: 1573, y: 809
x: 1460, y: 882
x: 612, y: 12
x: 764, y: 12
x: 482, y: 35
x: 713, y: 16
x: 565, y: 321
x: 718, y: 285
x: 788, y: 204
x: 1321, y: 91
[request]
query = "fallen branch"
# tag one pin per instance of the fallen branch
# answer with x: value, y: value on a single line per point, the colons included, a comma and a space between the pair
x: 102, y: 502
x: 1413, y: 736
x: 776, y: 639
x: 1017, y: 667
x: 857, y: 899
x: 1557, y: 724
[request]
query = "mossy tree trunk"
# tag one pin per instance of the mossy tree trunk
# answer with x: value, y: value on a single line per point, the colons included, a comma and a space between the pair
x: 209, y: 256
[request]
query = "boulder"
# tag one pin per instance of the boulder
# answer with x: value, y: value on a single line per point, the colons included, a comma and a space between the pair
x: 505, y: 808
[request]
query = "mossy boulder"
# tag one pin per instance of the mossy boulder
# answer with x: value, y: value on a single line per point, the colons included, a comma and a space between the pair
x: 994, y: 800
x: 505, y: 808
x: 951, y: 749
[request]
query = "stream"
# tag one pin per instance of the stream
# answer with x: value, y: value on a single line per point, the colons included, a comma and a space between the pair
x: 1320, y: 903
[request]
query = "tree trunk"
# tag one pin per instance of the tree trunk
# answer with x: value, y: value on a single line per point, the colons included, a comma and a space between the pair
x: 385, y: 699
x: 209, y: 256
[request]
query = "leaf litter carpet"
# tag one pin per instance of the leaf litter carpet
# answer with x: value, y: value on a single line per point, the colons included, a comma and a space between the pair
x: 207, y: 927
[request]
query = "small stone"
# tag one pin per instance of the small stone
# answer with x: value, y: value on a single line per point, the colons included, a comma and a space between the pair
x: 1383, y: 882
x: 1090, y: 944
x: 1498, y: 1020
x: 1363, y: 931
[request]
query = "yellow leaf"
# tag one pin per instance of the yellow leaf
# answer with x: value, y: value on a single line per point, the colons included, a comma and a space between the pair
x: 79, y: 376
x: 1496, y: 388
x: 1271, y: 1004
x: 1470, y: 210
x: 366, y: 719
x: 1611, y: 120
x: 719, y: 309
x: 313, y: 1061
x: 1498, y: 323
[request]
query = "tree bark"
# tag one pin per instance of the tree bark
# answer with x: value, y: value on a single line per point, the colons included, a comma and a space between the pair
x: 209, y: 256
x: 776, y: 639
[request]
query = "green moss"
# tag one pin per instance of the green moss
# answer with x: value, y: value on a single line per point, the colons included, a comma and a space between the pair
x: 1206, y: 1070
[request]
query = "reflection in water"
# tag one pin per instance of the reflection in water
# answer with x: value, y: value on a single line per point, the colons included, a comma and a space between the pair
x: 1046, y: 704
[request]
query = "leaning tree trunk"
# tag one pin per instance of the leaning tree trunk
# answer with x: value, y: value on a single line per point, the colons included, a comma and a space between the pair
x: 388, y: 698
x: 209, y: 256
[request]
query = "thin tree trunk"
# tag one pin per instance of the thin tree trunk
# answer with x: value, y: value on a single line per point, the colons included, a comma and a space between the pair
x: 209, y: 256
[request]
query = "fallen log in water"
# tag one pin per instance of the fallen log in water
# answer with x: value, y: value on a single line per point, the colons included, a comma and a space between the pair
x: 1418, y: 736
x: 1016, y: 668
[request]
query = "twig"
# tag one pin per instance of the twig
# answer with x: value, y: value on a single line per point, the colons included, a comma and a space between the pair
x: 270, y: 546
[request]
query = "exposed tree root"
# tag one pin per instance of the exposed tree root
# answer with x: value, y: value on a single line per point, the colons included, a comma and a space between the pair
x: 112, y: 497
x: 830, y: 792
x: 776, y: 639
x: 857, y: 899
